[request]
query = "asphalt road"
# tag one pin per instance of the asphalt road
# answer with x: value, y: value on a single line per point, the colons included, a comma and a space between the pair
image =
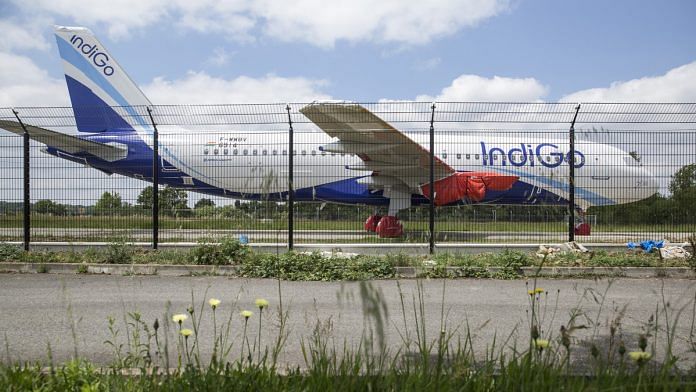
x: 38, y: 310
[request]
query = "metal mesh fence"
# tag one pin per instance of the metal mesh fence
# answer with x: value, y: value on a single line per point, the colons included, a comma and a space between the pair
x: 500, y: 172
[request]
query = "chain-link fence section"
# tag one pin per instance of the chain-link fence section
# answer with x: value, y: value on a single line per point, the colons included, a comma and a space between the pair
x: 315, y: 173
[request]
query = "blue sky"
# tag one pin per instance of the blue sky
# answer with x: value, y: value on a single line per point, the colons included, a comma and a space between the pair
x: 273, y: 51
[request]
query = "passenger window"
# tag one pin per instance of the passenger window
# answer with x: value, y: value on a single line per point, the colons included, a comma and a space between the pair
x: 459, y: 156
x: 323, y: 153
x: 265, y: 152
x: 304, y: 152
x: 226, y: 151
x: 468, y: 156
x: 216, y: 151
x: 444, y: 155
x: 275, y: 152
x: 255, y: 152
x: 235, y: 152
x: 245, y: 152
x: 314, y: 152
x: 285, y: 152
x: 476, y: 156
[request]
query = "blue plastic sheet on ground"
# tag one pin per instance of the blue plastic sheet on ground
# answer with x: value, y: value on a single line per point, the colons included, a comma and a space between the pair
x: 647, y: 245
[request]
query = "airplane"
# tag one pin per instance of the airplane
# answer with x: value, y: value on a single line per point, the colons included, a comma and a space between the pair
x: 358, y: 158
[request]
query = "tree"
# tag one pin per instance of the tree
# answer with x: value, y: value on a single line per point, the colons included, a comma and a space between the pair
x: 49, y: 207
x: 172, y: 202
x: 683, y: 188
x: 109, y: 203
x: 204, y: 203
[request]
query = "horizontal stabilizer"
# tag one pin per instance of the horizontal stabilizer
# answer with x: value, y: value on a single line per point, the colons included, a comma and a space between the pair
x: 68, y: 143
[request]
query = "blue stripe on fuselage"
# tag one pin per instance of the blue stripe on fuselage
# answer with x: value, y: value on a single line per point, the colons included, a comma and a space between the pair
x: 349, y: 191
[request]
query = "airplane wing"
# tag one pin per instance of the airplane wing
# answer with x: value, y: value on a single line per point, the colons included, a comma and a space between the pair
x: 383, y: 149
x: 394, y: 158
x: 68, y: 143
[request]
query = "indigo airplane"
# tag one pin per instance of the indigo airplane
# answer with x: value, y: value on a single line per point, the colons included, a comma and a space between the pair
x: 359, y: 158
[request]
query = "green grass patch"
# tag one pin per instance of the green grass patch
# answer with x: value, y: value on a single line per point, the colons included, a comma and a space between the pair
x: 337, y: 266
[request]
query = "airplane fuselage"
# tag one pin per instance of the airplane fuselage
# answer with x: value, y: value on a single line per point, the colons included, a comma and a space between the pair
x: 254, y: 165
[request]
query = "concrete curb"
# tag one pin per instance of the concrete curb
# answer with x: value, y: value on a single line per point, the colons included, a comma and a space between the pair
x: 401, y: 272
x: 361, y: 248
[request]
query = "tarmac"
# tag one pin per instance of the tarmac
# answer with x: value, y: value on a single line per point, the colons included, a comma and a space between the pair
x: 67, y: 314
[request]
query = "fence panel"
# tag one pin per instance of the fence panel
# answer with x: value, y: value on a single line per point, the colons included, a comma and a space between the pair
x: 224, y: 172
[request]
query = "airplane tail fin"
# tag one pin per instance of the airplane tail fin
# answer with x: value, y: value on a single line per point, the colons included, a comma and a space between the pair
x: 97, y: 84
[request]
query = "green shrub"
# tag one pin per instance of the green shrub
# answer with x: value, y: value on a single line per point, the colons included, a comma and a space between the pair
x: 118, y: 252
x: 228, y: 252
x: 10, y: 252
x: 314, y: 266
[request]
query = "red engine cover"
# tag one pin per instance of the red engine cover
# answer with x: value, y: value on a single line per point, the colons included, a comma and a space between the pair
x: 389, y: 227
x: 470, y: 185
x: 582, y: 229
x: 371, y: 223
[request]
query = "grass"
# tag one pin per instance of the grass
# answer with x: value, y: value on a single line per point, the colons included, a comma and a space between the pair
x: 331, y: 266
x: 143, y: 222
x: 593, y: 350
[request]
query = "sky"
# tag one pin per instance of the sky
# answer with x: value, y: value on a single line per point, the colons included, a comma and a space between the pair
x: 238, y: 51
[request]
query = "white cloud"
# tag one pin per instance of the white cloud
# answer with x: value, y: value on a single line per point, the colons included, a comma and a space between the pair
x: 677, y: 85
x: 25, y: 84
x: 120, y: 16
x: 428, y: 64
x: 201, y: 88
x: 411, y: 22
x: 497, y: 88
x: 219, y: 57
x: 311, y: 21
x: 22, y: 35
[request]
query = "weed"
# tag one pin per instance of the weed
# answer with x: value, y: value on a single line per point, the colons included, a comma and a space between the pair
x: 82, y: 269
x: 42, y: 268
x: 228, y: 252
x: 118, y: 252
x: 10, y: 252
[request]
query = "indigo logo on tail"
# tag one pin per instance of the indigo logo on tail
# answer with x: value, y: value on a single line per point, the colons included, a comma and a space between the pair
x: 100, y: 59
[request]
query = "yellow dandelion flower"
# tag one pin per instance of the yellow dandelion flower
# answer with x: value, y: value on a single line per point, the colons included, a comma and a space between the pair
x: 214, y: 302
x: 538, y: 291
x: 246, y: 313
x: 639, y: 356
x: 541, y: 343
x: 179, y: 318
x: 186, y: 332
x: 530, y: 292
x: 261, y: 303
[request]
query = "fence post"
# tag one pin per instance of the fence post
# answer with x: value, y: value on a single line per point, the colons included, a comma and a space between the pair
x: 27, y: 182
x: 431, y: 227
x: 155, y: 181
x: 291, y: 191
x: 571, y: 177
